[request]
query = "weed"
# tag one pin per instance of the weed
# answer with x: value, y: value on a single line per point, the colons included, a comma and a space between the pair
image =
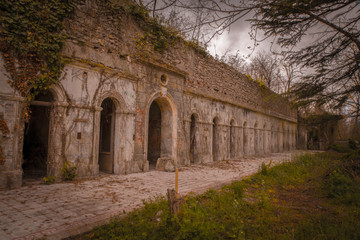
x: 49, y: 180
x: 238, y: 189
x: 264, y: 169
x: 340, y: 148
x: 68, y: 172
x: 284, y: 203
x: 342, y: 188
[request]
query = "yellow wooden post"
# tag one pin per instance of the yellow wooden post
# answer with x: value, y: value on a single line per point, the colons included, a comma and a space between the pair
x: 176, y: 182
x: 268, y: 166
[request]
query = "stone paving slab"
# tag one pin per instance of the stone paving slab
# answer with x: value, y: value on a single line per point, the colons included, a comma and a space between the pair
x: 63, y: 209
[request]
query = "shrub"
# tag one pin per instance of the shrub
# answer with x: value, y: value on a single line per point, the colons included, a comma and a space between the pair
x: 68, y: 172
x: 342, y: 188
x: 263, y: 169
x: 238, y: 189
x: 340, y: 148
x: 49, y: 180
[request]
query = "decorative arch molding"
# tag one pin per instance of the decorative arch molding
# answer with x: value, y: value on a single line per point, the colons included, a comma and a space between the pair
x: 56, y: 125
x: 216, y: 118
x: 165, y: 101
x: 196, y: 114
x: 118, y: 100
x: 121, y: 120
x: 58, y: 93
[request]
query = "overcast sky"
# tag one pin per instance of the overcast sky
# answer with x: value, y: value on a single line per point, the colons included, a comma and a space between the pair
x: 237, y: 39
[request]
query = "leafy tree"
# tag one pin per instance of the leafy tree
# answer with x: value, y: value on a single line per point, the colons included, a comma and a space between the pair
x: 330, y: 55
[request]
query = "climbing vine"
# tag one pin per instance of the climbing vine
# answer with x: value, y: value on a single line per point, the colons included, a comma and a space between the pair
x: 156, y: 35
x: 159, y: 36
x: 3, y: 127
x: 2, y: 159
x: 31, y: 39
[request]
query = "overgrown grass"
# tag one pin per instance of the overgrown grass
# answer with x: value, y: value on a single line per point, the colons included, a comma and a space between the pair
x: 312, y: 197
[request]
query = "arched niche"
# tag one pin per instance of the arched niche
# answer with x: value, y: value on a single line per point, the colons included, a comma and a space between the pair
x: 215, y: 139
x: 193, y: 143
x: 110, y: 107
x: 106, y: 136
x: 161, y: 125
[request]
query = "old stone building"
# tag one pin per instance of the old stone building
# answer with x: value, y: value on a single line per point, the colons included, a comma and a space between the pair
x: 120, y: 107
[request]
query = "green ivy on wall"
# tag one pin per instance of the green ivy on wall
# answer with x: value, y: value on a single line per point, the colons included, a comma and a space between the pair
x: 31, y: 39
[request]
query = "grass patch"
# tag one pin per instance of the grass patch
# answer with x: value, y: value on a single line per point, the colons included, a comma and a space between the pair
x: 313, y: 197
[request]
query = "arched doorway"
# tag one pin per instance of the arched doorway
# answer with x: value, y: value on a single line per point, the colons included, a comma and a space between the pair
x: 160, y: 131
x: 36, y: 137
x: 193, y: 130
x: 245, y: 139
x: 215, y: 140
x: 106, y: 144
x: 232, y: 140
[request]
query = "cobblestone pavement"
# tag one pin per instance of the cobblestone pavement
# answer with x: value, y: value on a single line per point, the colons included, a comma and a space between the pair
x: 63, y: 209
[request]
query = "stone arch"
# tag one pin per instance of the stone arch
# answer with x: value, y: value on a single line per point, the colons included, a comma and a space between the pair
x: 106, y: 135
x: 168, y: 128
x: 119, y: 101
x: 37, y: 136
x: 115, y: 162
x: 245, y: 139
x: 232, y: 139
x: 196, y: 114
x: 215, y: 139
x: 59, y: 93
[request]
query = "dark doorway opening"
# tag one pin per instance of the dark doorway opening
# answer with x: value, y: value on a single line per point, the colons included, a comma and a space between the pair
x: 232, y: 140
x: 107, y: 125
x: 192, y: 139
x: 36, y: 137
x: 154, y: 138
x: 215, y: 138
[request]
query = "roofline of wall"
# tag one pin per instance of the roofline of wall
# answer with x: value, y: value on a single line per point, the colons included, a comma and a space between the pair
x: 270, y: 113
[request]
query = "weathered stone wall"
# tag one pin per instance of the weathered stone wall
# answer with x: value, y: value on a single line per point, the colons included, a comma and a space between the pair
x: 232, y: 116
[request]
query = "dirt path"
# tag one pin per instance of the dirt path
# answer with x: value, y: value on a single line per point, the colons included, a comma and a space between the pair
x: 60, y: 210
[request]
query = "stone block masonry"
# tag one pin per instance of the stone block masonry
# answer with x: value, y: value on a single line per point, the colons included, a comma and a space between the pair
x: 119, y: 107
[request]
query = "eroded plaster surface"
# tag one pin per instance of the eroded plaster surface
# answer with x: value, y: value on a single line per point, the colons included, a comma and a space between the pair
x: 208, y: 111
